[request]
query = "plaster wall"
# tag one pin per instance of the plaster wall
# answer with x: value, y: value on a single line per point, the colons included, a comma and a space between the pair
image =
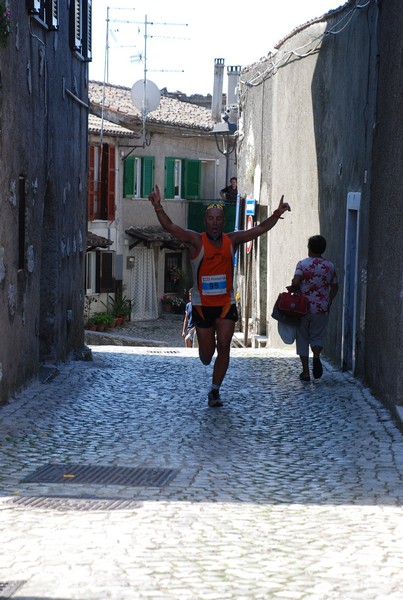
x: 307, y: 128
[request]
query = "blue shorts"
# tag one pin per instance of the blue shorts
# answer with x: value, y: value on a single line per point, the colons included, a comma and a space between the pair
x: 205, y: 316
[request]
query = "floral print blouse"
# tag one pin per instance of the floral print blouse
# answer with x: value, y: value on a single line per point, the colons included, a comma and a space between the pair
x: 317, y: 275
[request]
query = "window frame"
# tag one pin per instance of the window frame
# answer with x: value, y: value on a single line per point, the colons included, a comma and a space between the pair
x: 138, y: 176
x: 102, y: 182
x: 81, y: 29
x: 45, y: 12
x: 172, y: 260
x: 100, y: 271
x: 190, y: 178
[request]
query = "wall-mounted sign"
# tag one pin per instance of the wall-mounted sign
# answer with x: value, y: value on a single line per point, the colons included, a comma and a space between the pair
x: 250, y: 207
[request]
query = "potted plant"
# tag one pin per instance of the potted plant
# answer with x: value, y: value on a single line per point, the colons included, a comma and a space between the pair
x: 167, y: 303
x: 178, y: 305
x: 102, y: 320
x: 119, y: 306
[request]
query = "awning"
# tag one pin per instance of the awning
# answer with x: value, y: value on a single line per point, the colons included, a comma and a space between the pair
x: 154, y: 236
x: 97, y: 241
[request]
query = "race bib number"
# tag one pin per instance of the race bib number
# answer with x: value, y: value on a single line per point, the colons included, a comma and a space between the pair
x: 214, y: 284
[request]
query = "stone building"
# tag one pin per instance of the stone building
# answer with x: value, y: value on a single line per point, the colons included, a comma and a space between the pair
x: 321, y: 122
x: 43, y: 183
x: 176, y: 149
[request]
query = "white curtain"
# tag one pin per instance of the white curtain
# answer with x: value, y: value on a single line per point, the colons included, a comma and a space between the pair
x: 144, y: 291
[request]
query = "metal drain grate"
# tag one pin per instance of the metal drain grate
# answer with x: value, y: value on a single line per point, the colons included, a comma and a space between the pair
x: 163, y: 352
x: 8, y: 588
x: 102, y: 475
x: 60, y: 503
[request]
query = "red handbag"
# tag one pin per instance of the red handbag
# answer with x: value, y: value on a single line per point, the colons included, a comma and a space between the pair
x: 293, y: 303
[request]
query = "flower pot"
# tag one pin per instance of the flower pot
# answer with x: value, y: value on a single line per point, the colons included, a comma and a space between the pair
x: 167, y: 307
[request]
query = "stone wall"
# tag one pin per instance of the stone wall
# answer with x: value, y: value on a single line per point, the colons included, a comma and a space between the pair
x: 309, y: 115
x: 43, y: 145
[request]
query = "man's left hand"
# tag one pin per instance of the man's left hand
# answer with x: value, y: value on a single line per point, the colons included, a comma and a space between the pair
x: 283, y: 206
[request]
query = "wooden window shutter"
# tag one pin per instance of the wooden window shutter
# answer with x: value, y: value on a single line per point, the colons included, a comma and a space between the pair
x: 91, y: 183
x: 34, y: 7
x: 147, y: 176
x: 106, y: 279
x: 53, y: 15
x: 87, y: 33
x: 191, y: 175
x: 76, y: 25
x: 169, y: 177
x: 111, y: 184
x: 128, y: 177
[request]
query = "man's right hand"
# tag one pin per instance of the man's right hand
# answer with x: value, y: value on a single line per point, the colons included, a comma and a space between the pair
x: 155, y: 197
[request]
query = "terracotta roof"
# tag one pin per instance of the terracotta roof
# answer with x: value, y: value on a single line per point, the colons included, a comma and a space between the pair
x: 154, y: 235
x: 171, y: 111
x: 96, y: 241
x: 95, y: 125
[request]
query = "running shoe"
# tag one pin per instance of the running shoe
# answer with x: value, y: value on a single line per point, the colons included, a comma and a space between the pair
x: 214, y: 398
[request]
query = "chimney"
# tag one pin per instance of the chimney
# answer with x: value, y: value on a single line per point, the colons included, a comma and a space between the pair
x: 216, y: 105
x: 233, y: 74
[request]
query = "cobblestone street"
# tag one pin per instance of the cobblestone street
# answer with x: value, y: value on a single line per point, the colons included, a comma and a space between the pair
x: 290, y: 491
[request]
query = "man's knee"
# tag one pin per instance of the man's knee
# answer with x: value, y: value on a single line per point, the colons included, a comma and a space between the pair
x: 205, y: 359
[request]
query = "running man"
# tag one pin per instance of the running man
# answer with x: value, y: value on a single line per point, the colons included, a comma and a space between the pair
x: 212, y: 259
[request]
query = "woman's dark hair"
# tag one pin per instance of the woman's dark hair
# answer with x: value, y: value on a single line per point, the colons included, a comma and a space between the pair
x: 317, y: 244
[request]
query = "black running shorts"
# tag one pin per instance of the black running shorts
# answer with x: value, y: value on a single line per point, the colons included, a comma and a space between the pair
x: 205, y: 316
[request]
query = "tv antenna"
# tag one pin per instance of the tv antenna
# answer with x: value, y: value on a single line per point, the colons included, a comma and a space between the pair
x: 145, y: 94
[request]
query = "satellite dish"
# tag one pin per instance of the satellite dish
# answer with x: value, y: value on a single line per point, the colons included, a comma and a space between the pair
x: 152, y: 95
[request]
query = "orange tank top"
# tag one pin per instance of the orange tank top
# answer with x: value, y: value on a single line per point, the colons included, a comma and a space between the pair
x: 212, y: 273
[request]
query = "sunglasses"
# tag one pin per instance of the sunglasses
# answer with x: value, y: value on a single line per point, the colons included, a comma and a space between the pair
x: 215, y: 205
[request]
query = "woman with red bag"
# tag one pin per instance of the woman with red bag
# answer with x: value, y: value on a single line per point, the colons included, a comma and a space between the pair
x: 315, y: 277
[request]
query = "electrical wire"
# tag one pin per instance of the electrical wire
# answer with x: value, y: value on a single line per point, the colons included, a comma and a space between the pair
x: 260, y: 76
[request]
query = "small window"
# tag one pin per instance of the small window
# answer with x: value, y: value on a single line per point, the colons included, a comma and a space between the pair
x: 99, y: 272
x: 102, y: 182
x: 182, y: 178
x: 138, y: 177
x: 178, y: 178
x: 81, y: 28
x: 173, y: 260
x: 45, y: 11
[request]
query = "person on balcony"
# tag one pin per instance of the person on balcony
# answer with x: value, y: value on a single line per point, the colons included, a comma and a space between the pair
x: 230, y: 192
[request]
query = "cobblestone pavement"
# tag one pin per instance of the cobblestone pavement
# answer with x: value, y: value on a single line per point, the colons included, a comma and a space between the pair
x: 290, y: 491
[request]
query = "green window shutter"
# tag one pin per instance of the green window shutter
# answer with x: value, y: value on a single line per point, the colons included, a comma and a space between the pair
x: 147, y: 176
x: 128, y: 177
x: 191, y: 175
x: 169, y: 177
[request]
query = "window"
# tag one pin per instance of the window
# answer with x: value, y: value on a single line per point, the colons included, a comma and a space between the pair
x: 182, y: 178
x: 45, y: 11
x: 101, y: 182
x: 173, y: 260
x: 80, y: 28
x: 99, y: 272
x: 138, y: 176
